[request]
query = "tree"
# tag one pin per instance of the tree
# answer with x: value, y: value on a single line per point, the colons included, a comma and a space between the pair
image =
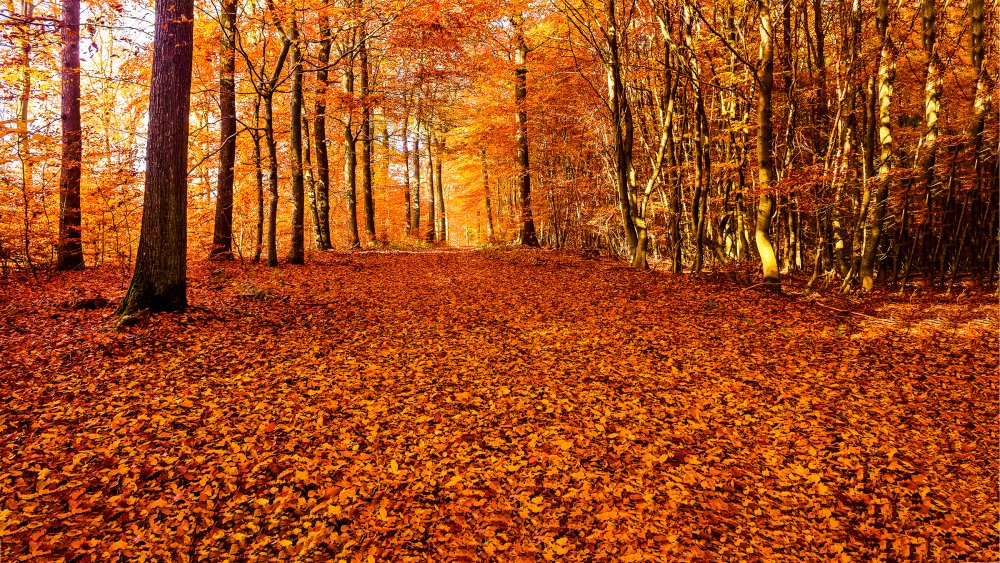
x: 70, y: 254
x: 159, y: 279
x: 527, y: 236
x: 765, y: 147
x: 222, y: 241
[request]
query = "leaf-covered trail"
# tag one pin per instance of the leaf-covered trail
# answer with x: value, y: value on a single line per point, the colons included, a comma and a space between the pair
x: 487, y: 405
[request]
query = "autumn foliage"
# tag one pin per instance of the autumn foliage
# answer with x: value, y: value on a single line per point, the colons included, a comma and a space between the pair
x: 493, y: 406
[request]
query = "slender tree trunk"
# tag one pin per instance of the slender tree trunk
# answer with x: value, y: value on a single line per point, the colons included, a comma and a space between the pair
x: 319, y: 132
x: 886, y: 77
x: 765, y: 148
x: 351, y: 164
x: 310, y: 178
x: 486, y: 190
x: 158, y: 281
x: 70, y: 254
x: 431, y: 191
x: 259, y: 177
x: 406, y: 174
x: 528, y: 235
x: 296, y: 250
x: 415, y: 230
x: 442, y: 225
x: 272, y: 181
x: 222, y: 237
x: 366, y: 142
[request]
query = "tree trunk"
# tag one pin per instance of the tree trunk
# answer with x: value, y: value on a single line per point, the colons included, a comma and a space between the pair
x: 319, y: 132
x: 259, y: 177
x: 415, y: 223
x: 765, y: 148
x: 431, y: 191
x: 310, y: 179
x: 366, y: 142
x: 486, y: 190
x: 886, y: 77
x: 70, y: 254
x: 158, y: 281
x: 222, y: 237
x: 406, y: 174
x: 528, y: 235
x: 296, y: 250
x: 351, y: 163
x: 272, y: 181
x: 442, y: 225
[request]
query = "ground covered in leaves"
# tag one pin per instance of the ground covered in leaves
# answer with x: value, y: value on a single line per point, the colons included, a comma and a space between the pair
x: 493, y: 405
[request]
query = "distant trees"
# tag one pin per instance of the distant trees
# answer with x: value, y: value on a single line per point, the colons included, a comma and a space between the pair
x: 661, y: 132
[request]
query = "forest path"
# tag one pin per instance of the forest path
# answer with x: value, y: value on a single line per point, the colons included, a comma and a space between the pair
x: 487, y: 404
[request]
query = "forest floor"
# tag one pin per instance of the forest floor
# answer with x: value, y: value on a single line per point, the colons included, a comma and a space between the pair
x: 510, y: 405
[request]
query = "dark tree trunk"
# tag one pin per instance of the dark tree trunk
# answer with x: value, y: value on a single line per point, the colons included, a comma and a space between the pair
x: 296, y: 251
x: 319, y: 133
x: 158, y: 281
x: 351, y: 163
x: 489, y: 206
x: 366, y: 143
x: 442, y: 226
x: 415, y: 227
x: 222, y: 239
x: 406, y: 174
x: 431, y: 192
x: 528, y: 235
x: 70, y: 254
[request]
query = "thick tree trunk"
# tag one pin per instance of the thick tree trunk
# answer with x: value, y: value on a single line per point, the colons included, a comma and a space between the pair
x: 222, y: 238
x: 296, y: 250
x: 158, y: 281
x: 319, y: 132
x: 765, y: 148
x: 70, y: 253
x: 528, y: 236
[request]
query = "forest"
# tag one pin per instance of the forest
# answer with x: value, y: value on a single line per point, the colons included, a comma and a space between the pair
x: 623, y: 280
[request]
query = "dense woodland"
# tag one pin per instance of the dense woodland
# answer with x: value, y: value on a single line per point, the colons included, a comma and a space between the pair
x: 401, y: 280
x: 849, y: 141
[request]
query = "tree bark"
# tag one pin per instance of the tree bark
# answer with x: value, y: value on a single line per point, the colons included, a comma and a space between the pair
x: 431, y: 191
x: 406, y: 173
x: 528, y: 235
x: 886, y: 78
x: 296, y: 250
x: 765, y: 148
x: 415, y: 227
x: 351, y: 163
x: 222, y: 237
x: 70, y: 253
x: 486, y: 190
x: 158, y: 281
x: 442, y: 225
x: 366, y: 141
x: 319, y: 132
